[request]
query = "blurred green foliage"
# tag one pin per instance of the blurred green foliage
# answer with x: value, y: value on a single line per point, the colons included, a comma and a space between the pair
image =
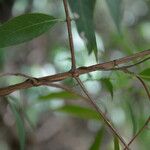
x: 49, y: 54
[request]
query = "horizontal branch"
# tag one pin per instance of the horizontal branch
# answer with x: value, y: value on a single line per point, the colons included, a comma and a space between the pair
x: 33, y: 82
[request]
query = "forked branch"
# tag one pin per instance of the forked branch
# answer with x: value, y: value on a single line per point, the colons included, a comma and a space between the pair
x: 42, y: 81
x: 76, y: 72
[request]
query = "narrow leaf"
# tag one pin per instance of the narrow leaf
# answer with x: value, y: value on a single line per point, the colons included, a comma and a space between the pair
x: 115, y: 9
x: 24, y: 28
x: 98, y: 140
x: 84, y: 10
x: 78, y: 111
x: 108, y: 85
x: 61, y: 95
x: 116, y: 143
x: 133, y: 118
x: 19, y: 124
x: 145, y: 74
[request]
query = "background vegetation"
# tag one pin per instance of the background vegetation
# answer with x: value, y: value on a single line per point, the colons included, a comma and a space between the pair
x: 49, y: 118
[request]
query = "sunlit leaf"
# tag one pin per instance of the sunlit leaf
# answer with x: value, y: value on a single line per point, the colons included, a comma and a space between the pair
x: 24, y: 28
x: 61, y: 95
x: 116, y: 143
x: 98, y: 140
x: 19, y: 124
x: 78, y: 111
x: 84, y: 10
x: 145, y: 74
x: 108, y: 85
x: 115, y: 8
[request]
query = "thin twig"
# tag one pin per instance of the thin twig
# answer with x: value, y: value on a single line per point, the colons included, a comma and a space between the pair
x: 74, y: 63
x: 68, y: 89
x: 16, y: 74
x: 144, y: 85
x: 68, y: 19
x: 101, y: 115
x: 132, y: 65
x: 139, y: 132
x: 140, y: 79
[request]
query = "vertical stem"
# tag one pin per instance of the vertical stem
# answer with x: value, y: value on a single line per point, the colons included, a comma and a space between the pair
x: 68, y: 20
x: 101, y: 115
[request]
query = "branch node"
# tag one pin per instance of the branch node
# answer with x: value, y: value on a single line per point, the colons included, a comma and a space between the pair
x: 35, y: 81
x: 115, y: 63
x: 74, y: 73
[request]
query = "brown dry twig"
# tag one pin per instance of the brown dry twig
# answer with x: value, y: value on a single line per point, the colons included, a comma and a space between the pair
x: 68, y: 20
x: 16, y: 74
x: 79, y: 71
x: 76, y: 72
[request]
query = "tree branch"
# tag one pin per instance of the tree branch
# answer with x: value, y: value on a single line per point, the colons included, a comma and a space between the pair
x: 33, y: 82
x: 68, y: 19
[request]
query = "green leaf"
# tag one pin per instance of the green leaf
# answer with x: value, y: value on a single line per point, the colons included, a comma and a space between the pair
x: 61, y: 95
x: 84, y: 10
x: 116, y: 143
x: 145, y: 74
x: 133, y: 118
x: 98, y: 140
x: 108, y: 85
x: 20, y: 125
x: 115, y: 9
x: 78, y: 111
x: 24, y: 28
